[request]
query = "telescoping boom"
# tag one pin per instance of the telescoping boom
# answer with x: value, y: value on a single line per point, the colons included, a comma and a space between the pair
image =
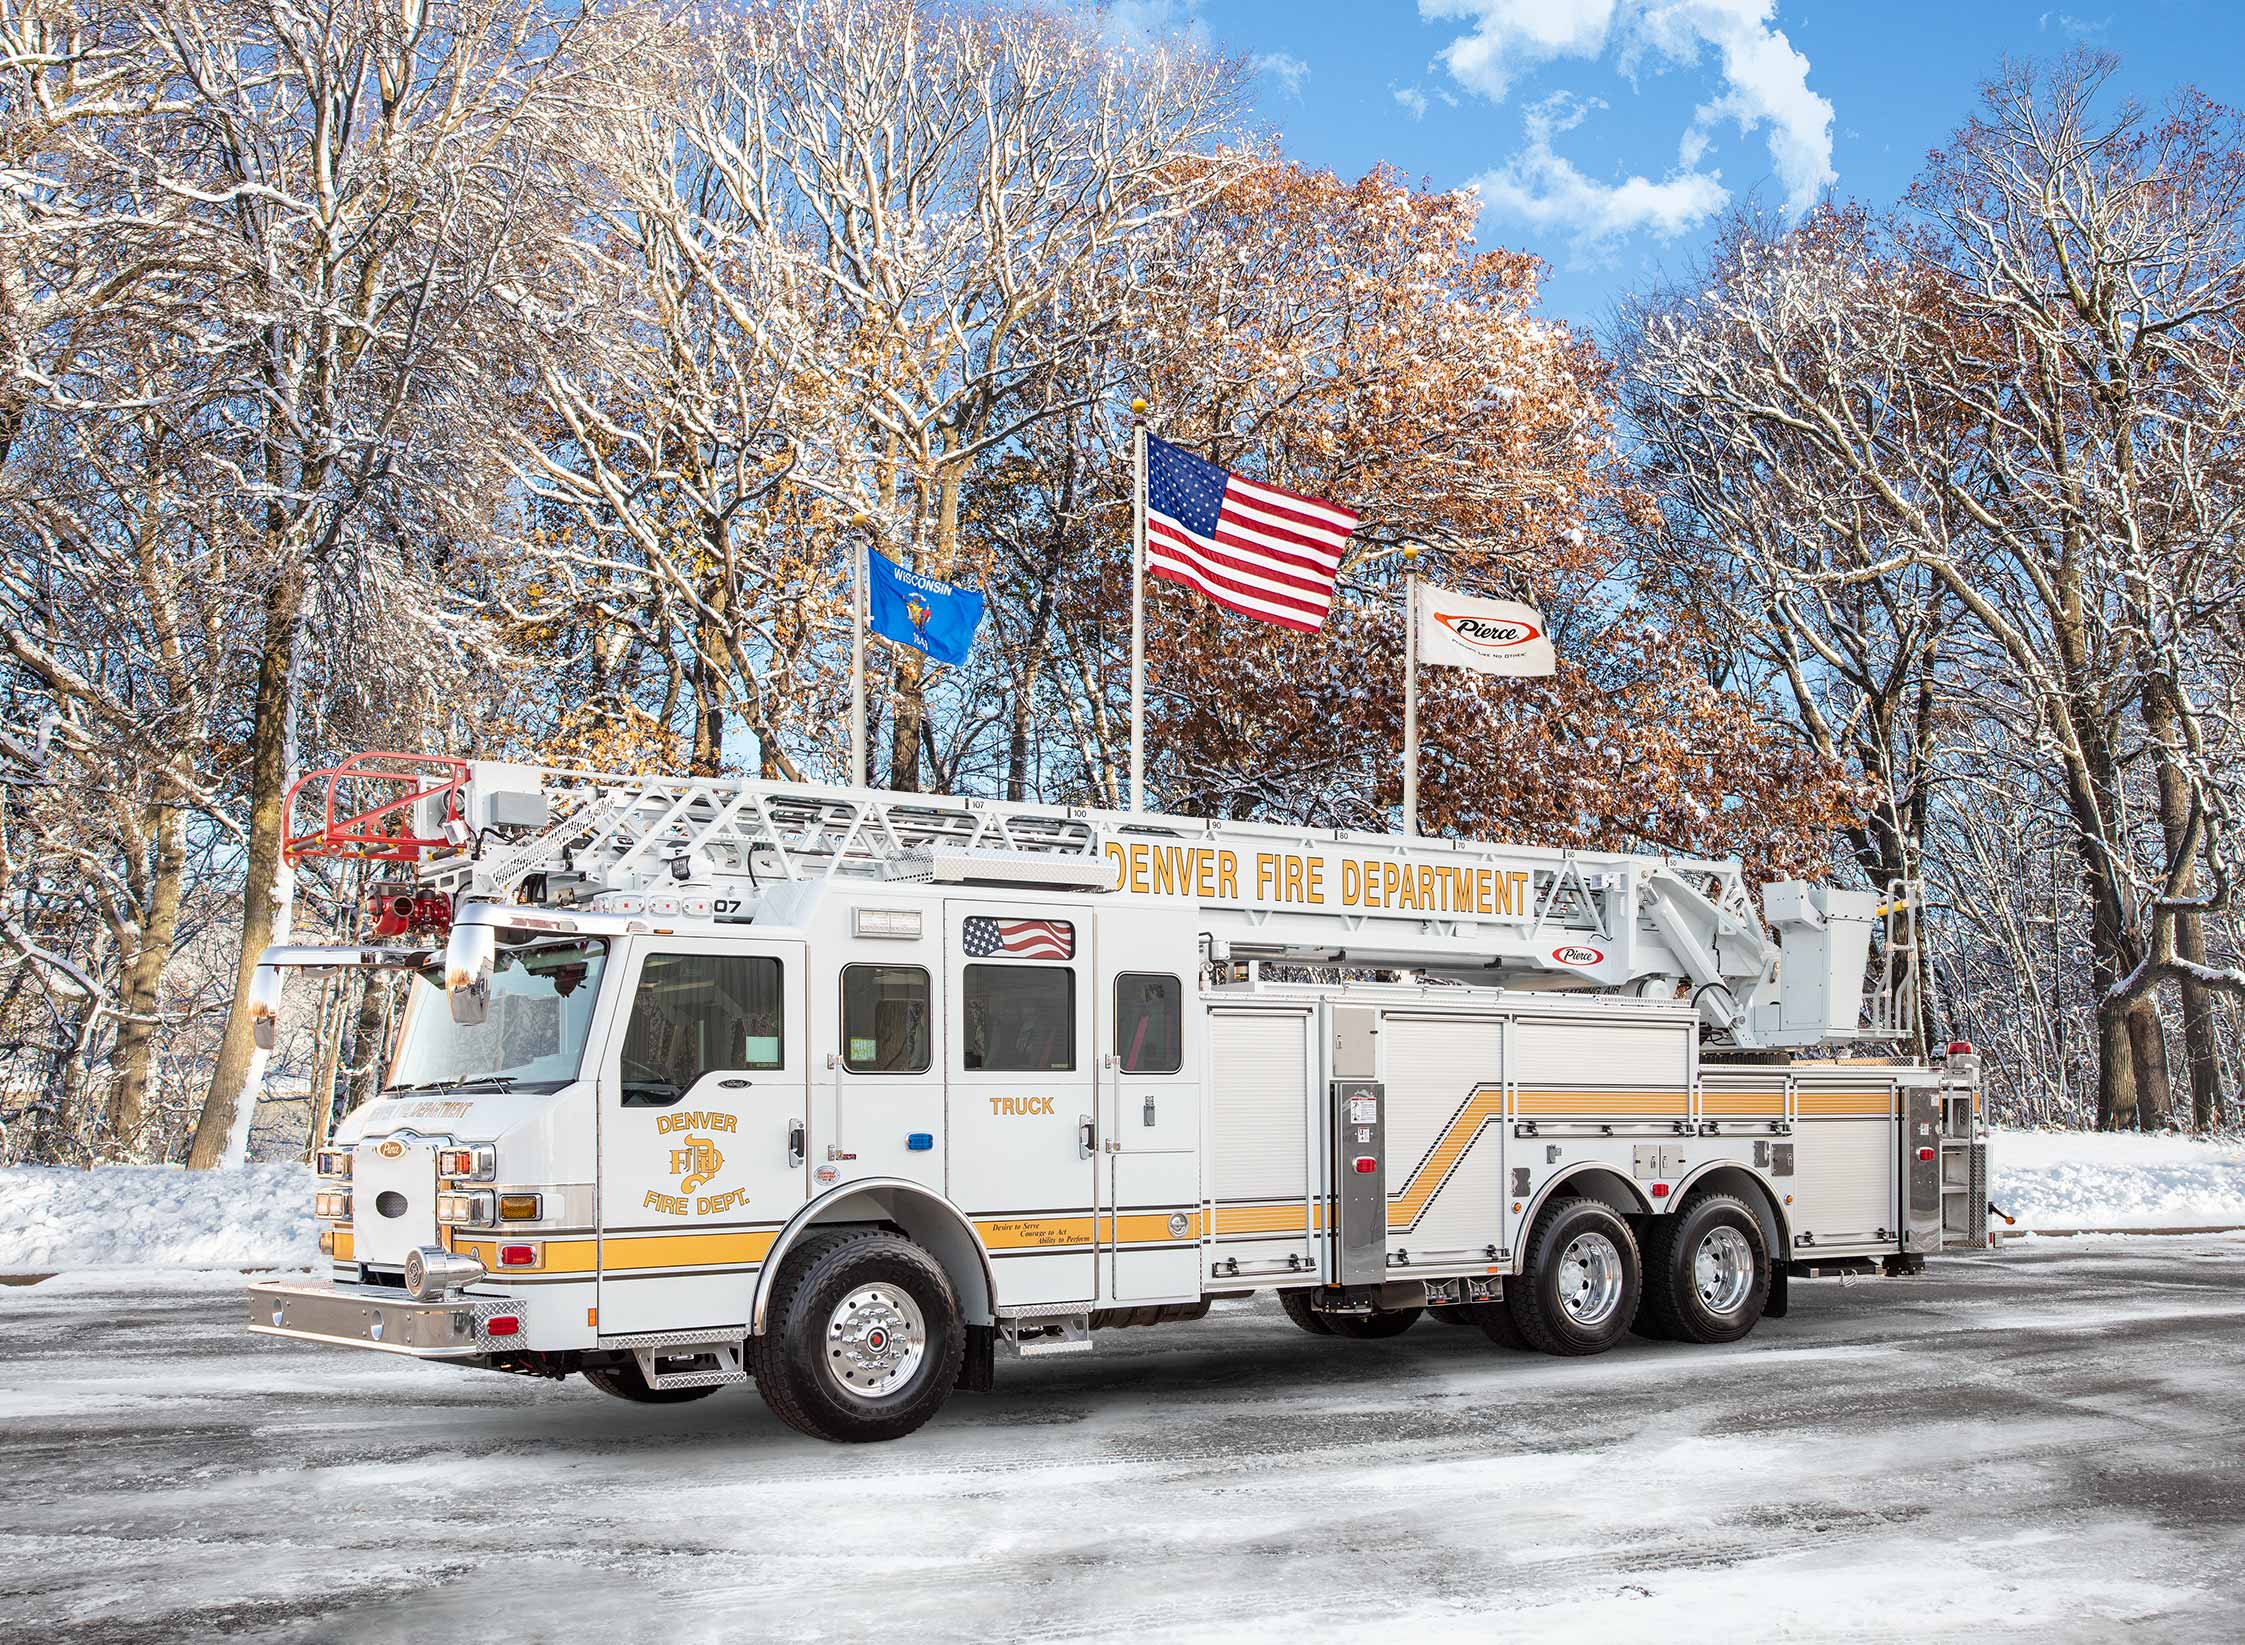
x: 700, y: 1078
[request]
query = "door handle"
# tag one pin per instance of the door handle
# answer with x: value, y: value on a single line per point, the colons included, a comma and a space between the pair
x: 1087, y: 1138
x: 795, y: 1142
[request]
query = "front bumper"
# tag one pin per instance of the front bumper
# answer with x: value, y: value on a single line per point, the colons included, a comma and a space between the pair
x: 354, y: 1316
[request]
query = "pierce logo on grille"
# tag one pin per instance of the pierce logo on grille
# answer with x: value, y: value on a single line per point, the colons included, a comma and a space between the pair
x: 391, y: 1150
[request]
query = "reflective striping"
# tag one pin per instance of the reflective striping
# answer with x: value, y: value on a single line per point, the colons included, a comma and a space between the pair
x: 686, y: 1250
x: 555, y: 1256
x: 1483, y: 1108
x: 1150, y: 1227
x: 1285, y: 1217
x: 1738, y: 1104
x: 1604, y: 1104
x: 1850, y: 1104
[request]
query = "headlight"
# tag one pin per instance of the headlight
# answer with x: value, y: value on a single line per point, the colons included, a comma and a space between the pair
x: 478, y: 1164
x: 336, y: 1163
x: 332, y: 1206
x: 473, y: 1209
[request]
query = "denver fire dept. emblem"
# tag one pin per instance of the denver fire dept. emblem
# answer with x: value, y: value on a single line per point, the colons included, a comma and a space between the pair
x: 695, y: 1163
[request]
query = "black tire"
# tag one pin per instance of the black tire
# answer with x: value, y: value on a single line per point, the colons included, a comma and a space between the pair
x: 1676, y: 1307
x: 1535, y: 1299
x: 1298, y: 1309
x: 624, y: 1382
x: 1382, y: 1322
x: 805, y: 1377
x: 1495, y: 1320
x: 1451, y: 1313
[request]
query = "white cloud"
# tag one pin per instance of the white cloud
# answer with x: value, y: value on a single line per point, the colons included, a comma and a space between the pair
x: 1284, y: 67
x: 1413, y: 100
x: 1148, y: 22
x: 1543, y: 188
x: 2074, y: 28
x: 1764, y: 79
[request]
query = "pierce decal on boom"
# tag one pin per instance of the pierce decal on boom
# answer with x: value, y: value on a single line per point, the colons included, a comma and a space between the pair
x: 1578, y: 954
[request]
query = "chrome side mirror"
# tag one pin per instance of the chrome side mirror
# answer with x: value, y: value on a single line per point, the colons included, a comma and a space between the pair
x: 265, y: 1006
x: 471, y: 954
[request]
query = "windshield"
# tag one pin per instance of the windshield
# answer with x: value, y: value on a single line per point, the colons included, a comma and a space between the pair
x: 533, y: 1037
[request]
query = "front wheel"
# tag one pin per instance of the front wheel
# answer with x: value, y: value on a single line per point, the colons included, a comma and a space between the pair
x: 1578, y: 1287
x: 863, y: 1338
x: 1707, y: 1272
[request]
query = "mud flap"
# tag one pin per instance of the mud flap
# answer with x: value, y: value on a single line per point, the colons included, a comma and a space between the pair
x: 1778, y: 1301
x: 978, y: 1369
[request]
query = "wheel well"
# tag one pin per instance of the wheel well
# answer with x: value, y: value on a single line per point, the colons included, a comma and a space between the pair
x: 1599, y: 1182
x: 927, y: 1219
x: 1742, y: 1183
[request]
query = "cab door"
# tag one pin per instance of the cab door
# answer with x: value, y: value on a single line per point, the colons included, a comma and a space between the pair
x: 702, y: 1129
x: 1149, y: 1064
x: 1019, y: 1056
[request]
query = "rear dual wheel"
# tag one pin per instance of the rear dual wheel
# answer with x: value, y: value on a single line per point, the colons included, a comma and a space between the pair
x: 1707, y: 1272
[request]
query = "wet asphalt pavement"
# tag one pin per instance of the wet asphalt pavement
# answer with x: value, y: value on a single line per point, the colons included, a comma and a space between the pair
x: 2049, y: 1444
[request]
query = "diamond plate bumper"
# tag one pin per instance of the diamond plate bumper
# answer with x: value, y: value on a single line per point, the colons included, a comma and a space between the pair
x: 354, y: 1317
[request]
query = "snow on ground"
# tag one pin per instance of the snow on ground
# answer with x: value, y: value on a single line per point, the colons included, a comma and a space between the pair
x: 261, y: 1216
x: 137, y: 1216
x: 2035, y: 1447
x: 2089, y: 1179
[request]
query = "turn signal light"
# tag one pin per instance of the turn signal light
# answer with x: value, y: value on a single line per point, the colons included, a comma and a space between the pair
x: 520, y: 1207
x: 518, y: 1256
x: 502, y: 1325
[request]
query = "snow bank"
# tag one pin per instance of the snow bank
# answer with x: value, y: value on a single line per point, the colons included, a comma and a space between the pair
x: 2091, y: 1179
x: 132, y: 1216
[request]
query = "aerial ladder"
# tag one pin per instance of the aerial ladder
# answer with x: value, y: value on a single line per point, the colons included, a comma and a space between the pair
x: 444, y: 835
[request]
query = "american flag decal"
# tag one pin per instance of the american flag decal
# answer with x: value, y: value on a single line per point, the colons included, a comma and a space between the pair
x: 1019, y: 939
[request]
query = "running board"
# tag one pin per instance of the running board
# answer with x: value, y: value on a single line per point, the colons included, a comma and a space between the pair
x: 692, y: 1364
x: 1047, y: 1328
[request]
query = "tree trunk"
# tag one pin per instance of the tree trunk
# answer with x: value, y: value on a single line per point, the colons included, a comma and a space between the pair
x: 262, y: 895
x: 2201, y: 1041
x: 368, y: 1038
x: 2147, y: 1041
x: 2116, y: 1078
x: 135, y: 1052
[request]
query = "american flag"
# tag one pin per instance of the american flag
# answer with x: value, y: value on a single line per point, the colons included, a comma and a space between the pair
x: 1251, y: 548
x: 1019, y: 939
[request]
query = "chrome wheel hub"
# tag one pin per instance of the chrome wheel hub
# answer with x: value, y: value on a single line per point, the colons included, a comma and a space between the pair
x: 1723, y: 1270
x: 1590, y: 1279
x: 875, y: 1340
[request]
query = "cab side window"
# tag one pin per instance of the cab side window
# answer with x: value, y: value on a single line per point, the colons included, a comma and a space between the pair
x: 1149, y: 1022
x: 885, y: 1019
x: 1018, y: 1018
x: 696, y: 1014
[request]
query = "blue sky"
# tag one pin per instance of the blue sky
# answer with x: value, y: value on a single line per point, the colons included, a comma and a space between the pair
x: 1605, y: 133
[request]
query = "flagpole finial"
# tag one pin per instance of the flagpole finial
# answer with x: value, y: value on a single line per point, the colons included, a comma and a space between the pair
x: 1138, y: 408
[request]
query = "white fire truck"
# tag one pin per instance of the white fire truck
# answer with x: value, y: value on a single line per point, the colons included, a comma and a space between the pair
x: 702, y: 1080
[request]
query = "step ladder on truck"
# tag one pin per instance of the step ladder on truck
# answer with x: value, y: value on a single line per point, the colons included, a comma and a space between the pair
x: 701, y: 1080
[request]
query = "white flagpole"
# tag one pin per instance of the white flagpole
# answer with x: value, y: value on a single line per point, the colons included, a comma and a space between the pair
x: 861, y: 537
x: 1138, y: 606
x: 1410, y: 688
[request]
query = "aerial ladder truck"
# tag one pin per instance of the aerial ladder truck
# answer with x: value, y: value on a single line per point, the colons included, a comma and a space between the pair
x: 701, y: 1080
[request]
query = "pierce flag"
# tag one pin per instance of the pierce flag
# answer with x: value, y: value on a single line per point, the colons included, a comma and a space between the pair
x: 1488, y: 636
